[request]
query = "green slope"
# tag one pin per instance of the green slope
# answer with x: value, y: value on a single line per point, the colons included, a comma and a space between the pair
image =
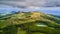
x: 38, y: 23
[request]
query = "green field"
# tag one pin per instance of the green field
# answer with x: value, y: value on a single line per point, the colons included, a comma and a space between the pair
x: 29, y: 23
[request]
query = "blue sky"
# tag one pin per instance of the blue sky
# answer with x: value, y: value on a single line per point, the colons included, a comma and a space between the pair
x: 46, y: 6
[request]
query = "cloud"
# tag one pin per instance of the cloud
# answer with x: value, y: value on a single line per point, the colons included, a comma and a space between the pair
x: 12, y: 0
x: 52, y: 3
x: 26, y: 3
x: 31, y: 3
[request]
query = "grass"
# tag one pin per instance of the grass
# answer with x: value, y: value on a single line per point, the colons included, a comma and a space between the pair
x: 26, y: 23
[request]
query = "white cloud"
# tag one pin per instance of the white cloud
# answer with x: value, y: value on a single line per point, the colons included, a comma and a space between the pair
x: 25, y: 3
x: 33, y: 7
x: 29, y: 3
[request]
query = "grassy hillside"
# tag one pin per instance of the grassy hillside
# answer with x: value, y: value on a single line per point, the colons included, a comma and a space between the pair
x: 30, y: 23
